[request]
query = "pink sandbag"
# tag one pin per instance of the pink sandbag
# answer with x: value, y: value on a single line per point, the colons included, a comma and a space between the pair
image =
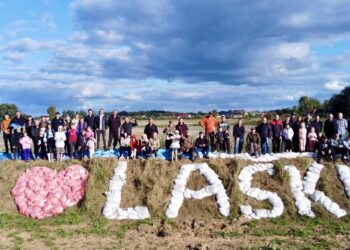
x: 42, y: 192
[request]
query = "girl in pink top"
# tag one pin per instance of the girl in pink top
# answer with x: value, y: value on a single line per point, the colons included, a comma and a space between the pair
x: 26, y: 143
x: 312, y: 139
x: 302, y: 137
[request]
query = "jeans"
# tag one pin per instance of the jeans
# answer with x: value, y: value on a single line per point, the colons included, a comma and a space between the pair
x: 265, y: 146
x: 26, y: 154
x: 238, y: 146
x: 99, y: 133
x: 205, y: 151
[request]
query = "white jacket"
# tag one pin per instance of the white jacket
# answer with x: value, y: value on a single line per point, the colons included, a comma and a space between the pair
x: 288, y: 133
x: 60, y: 138
x: 175, y: 141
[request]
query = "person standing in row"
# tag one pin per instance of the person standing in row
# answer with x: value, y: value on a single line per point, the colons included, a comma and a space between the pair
x: 181, y: 127
x: 238, y: 133
x: 28, y: 125
x: 277, y: 129
x: 101, y: 127
x: 18, y: 120
x: 318, y: 124
x: 329, y: 126
x: 35, y: 131
x: 56, y: 122
x: 89, y: 120
x: 6, y: 131
x: 226, y: 145
x: 114, y: 124
x: 150, y: 128
x: 169, y: 131
x: 209, y: 123
x: 341, y: 126
x: 127, y: 126
x: 264, y: 130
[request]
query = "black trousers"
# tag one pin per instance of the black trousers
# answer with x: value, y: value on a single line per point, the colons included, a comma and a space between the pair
x: 7, y: 141
x: 36, y: 146
x: 101, y: 132
x: 276, y: 144
x: 167, y: 144
x: 113, y: 136
x: 211, y: 139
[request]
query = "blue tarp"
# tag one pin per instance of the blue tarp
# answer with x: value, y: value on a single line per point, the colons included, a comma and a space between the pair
x: 164, y: 154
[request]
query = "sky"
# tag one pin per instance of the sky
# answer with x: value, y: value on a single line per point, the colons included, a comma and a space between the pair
x: 171, y: 55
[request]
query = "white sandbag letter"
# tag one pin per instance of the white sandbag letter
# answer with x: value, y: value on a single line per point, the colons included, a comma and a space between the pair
x: 244, y: 179
x: 111, y: 209
x: 180, y: 191
x: 344, y: 174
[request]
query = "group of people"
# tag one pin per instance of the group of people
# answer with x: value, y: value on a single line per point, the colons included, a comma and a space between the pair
x: 80, y: 136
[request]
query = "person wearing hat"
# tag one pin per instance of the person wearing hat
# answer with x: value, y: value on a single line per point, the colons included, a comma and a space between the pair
x: 202, y: 146
x: 253, y: 142
x: 209, y: 123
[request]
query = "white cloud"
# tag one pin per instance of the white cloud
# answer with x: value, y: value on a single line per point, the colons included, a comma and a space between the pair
x: 47, y: 20
x: 133, y: 97
x: 335, y: 85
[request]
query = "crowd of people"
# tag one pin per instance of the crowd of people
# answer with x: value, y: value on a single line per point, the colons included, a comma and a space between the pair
x: 81, y: 136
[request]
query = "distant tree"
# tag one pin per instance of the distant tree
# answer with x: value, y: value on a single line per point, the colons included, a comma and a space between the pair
x: 8, y: 109
x: 308, y: 104
x: 51, y: 111
x: 339, y: 102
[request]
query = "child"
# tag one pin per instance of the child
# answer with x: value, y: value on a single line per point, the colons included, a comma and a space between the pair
x: 16, y: 145
x: 91, y: 146
x: 89, y: 133
x: 288, y: 134
x: 220, y: 136
x: 175, y: 145
x: 154, y: 145
x: 312, y: 136
x: 144, y: 147
x: 133, y: 147
x: 26, y: 143
x: 49, y: 140
x: 124, y: 149
x: 72, y: 140
x: 302, y: 137
x: 81, y: 144
x: 60, y: 138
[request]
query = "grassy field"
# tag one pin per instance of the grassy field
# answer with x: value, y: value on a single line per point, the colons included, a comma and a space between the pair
x: 199, y: 225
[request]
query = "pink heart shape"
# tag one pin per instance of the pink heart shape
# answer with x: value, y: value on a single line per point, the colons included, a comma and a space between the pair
x: 42, y: 192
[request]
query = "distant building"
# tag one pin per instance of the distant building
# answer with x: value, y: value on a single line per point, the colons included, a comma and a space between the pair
x: 239, y: 113
x: 188, y: 116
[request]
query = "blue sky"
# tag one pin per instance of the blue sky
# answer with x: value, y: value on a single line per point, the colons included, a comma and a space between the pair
x: 171, y: 55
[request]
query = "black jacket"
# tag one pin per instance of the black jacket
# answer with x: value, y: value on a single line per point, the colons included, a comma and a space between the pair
x: 127, y: 127
x: 55, y: 123
x: 318, y: 125
x: 238, y: 131
x: 20, y: 121
x: 97, y: 122
x: 16, y: 137
x: 264, y: 130
x: 90, y: 121
x: 114, y: 123
x: 329, y: 128
x: 201, y: 143
x: 150, y: 129
x: 35, y: 131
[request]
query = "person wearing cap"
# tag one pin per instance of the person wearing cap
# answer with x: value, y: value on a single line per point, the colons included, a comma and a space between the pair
x: 238, y: 133
x: 264, y: 130
x: 253, y: 142
x: 277, y: 129
x: 202, y: 146
x: 209, y: 123
x: 56, y: 122
x: 226, y: 145
x: 6, y: 132
x: 169, y: 131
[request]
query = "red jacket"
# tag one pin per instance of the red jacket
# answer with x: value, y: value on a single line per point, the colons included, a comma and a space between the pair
x: 72, y: 135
